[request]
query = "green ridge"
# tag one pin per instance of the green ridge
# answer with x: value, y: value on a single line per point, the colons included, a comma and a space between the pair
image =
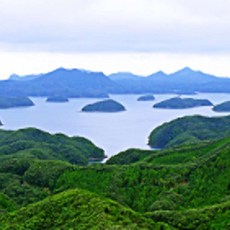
x: 38, y: 144
x: 188, y: 130
x: 186, y: 187
x: 77, y: 209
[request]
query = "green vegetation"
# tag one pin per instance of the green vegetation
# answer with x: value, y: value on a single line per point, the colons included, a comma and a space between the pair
x: 57, y: 99
x: 31, y: 161
x: 129, y: 156
x: 165, y: 184
x: 212, y: 217
x: 6, y: 204
x: 11, y: 102
x: 24, y: 181
x: 77, y: 209
x: 146, y: 98
x: 223, y: 107
x: 38, y: 144
x: 182, y: 103
x: 104, y: 106
x: 190, y: 129
x: 185, y: 187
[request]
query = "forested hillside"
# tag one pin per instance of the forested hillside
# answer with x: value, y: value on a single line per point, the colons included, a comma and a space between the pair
x: 77, y: 209
x: 166, y: 184
x: 34, y: 143
x: 190, y: 129
x: 185, y: 187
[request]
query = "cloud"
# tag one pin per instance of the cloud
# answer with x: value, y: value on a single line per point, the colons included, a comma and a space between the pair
x: 115, y: 25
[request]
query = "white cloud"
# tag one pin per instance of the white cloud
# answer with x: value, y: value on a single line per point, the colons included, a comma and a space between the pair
x: 116, y: 25
x: 142, y: 36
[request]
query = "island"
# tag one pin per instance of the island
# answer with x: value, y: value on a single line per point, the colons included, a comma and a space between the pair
x: 104, y: 106
x: 12, y: 102
x: 223, y: 107
x: 189, y: 130
x: 182, y: 103
x: 57, y: 99
x: 1, y: 123
x: 146, y: 98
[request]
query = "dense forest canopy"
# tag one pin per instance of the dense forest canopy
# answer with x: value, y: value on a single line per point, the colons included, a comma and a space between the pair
x: 43, y: 186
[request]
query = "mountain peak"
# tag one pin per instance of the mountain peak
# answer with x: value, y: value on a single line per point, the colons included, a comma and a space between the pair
x: 186, y: 70
x: 158, y: 74
x: 14, y: 77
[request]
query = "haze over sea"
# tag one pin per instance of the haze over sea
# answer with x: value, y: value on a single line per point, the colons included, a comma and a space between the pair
x: 114, y: 132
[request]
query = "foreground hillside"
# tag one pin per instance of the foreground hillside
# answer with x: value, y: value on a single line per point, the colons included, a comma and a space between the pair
x: 185, y: 187
x: 31, y: 161
x: 166, y: 183
x: 77, y: 209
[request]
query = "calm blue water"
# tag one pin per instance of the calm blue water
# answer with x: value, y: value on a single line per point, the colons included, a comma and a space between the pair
x: 114, y: 132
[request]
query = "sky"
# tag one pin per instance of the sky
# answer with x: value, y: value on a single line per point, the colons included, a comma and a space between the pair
x: 139, y: 36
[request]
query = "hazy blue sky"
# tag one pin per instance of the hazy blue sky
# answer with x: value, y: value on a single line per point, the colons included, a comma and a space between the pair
x: 141, y: 36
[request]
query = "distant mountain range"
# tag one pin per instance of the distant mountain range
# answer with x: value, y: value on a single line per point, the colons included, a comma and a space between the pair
x: 60, y: 82
x: 184, y: 81
x: 82, y: 83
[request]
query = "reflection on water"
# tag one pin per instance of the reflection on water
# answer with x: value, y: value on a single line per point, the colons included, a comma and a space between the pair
x: 114, y: 132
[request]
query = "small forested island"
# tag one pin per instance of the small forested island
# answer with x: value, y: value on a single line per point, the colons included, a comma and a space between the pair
x: 182, y: 103
x: 57, y: 99
x: 223, y: 107
x: 188, y: 130
x: 12, y: 102
x: 1, y: 123
x: 104, y: 106
x: 146, y: 98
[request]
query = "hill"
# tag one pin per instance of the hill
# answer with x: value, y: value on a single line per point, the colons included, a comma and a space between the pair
x: 62, y: 82
x: 146, y: 98
x: 31, y: 161
x: 81, y: 83
x: 223, y: 107
x: 38, y: 144
x: 190, y: 129
x: 184, y: 187
x: 13, y: 102
x: 57, y: 99
x: 15, y: 77
x: 121, y: 76
x: 184, y: 81
x: 77, y: 209
x: 104, y: 106
x: 182, y: 103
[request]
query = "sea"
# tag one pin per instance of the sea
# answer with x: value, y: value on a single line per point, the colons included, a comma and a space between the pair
x: 113, y: 132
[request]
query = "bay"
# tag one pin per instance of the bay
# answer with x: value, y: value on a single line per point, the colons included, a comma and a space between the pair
x: 114, y: 132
